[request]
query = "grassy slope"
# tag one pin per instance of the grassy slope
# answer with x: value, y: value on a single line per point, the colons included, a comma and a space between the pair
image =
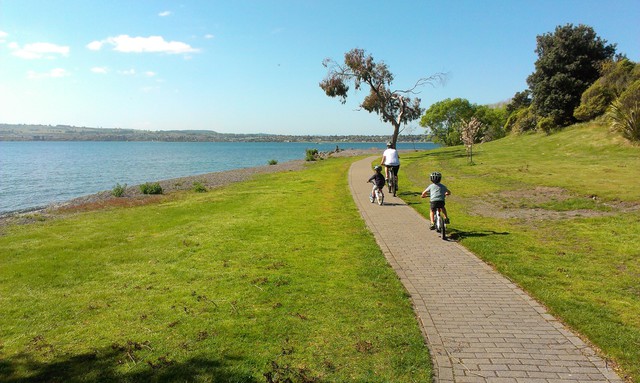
x: 274, y: 276
x: 585, y: 269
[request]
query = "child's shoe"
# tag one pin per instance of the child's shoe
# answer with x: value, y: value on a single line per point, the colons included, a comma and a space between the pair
x: 432, y: 227
x: 371, y: 198
x: 446, y: 220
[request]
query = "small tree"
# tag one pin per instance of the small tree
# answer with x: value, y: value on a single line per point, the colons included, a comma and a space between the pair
x: 469, y: 131
x: 393, y: 106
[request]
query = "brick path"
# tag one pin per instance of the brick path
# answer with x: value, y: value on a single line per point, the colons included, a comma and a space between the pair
x: 479, y: 326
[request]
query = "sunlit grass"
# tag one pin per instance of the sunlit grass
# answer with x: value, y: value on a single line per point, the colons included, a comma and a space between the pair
x: 275, y: 276
x: 584, y: 267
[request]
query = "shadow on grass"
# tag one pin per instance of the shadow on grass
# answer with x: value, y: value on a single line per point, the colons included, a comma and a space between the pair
x: 459, y: 235
x: 102, y: 366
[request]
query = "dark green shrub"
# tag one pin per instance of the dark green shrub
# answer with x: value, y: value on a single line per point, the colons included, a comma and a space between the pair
x: 273, y: 162
x: 118, y: 190
x: 198, y: 187
x: 312, y: 155
x: 151, y: 188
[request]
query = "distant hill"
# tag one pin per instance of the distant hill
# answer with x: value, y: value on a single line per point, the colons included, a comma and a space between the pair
x: 23, y: 132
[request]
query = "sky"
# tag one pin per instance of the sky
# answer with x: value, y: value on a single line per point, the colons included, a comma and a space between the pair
x: 253, y: 66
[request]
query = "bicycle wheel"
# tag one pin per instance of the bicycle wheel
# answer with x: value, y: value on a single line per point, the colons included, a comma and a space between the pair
x: 395, y: 184
x: 390, y: 181
x: 380, y: 197
x: 443, y: 227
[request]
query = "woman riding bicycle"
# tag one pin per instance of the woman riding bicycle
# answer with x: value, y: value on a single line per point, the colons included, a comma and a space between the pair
x: 437, y: 193
x: 390, y: 159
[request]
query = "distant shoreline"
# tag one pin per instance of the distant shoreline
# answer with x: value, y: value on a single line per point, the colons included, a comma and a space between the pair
x: 25, y: 132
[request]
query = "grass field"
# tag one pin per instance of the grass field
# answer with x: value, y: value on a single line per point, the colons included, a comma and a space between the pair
x: 560, y: 216
x: 271, y: 280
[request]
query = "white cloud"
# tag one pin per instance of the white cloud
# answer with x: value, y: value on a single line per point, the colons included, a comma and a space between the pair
x: 209, y: 36
x: 39, y: 50
x: 95, y: 45
x: 3, y: 36
x: 164, y: 14
x: 53, y: 73
x: 100, y: 70
x: 150, y: 74
x: 128, y: 72
x: 151, y: 44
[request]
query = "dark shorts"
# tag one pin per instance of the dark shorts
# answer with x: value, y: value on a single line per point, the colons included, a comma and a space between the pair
x: 436, y: 205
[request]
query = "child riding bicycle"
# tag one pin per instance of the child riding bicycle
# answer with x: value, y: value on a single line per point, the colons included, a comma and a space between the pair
x: 437, y: 193
x: 378, y: 181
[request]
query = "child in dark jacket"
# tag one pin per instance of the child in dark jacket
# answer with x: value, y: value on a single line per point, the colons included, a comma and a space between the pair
x: 378, y: 180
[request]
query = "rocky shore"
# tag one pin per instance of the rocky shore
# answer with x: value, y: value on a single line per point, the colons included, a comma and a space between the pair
x: 133, y: 196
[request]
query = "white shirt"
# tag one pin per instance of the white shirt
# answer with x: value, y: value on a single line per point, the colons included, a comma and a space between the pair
x: 391, y: 157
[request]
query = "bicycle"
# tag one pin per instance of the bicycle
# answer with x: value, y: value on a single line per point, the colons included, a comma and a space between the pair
x: 441, y: 224
x: 376, y: 195
x: 392, y: 181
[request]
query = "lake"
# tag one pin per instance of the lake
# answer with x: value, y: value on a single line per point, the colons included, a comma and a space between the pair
x: 37, y: 173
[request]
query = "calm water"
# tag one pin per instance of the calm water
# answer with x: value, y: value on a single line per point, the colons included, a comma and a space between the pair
x: 35, y: 174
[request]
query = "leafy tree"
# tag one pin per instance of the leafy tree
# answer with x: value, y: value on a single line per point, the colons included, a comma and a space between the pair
x: 492, y: 121
x: 518, y: 101
x: 444, y: 119
x: 568, y: 62
x: 393, y: 106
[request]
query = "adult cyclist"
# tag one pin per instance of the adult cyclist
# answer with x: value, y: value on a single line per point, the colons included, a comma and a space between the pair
x: 391, y: 159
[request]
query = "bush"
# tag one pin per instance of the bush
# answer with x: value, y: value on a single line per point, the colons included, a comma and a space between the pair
x: 523, y: 120
x: 616, y: 77
x: 273, y: 162
x: 623, y: 114
x: 546, y: 124
x: 151, y: 188
x: 118, y: 190
x: 198, y: 187
x: 594, y: 102
x: 312, y: 155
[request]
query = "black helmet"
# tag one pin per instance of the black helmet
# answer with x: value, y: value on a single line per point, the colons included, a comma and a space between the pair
x: 436, y: 177
x: 377, y: 168
x: 389, y: 144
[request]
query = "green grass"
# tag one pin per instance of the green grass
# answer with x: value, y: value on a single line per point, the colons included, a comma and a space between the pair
x: 267, y: 280
x: 584, y: 267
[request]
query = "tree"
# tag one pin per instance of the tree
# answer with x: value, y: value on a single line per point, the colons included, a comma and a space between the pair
x: 469, y: 131
x: 568, y: 62
x: 393, y: 106
x: 444, y: 119
x: 519, y: 100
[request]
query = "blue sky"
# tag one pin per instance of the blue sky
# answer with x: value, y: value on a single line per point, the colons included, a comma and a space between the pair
x: 254, y: 66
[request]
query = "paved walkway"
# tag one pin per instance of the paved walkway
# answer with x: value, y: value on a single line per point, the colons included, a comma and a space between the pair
x: 479, y: 326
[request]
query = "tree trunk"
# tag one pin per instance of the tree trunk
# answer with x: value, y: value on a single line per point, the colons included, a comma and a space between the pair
x: 396, y: 132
